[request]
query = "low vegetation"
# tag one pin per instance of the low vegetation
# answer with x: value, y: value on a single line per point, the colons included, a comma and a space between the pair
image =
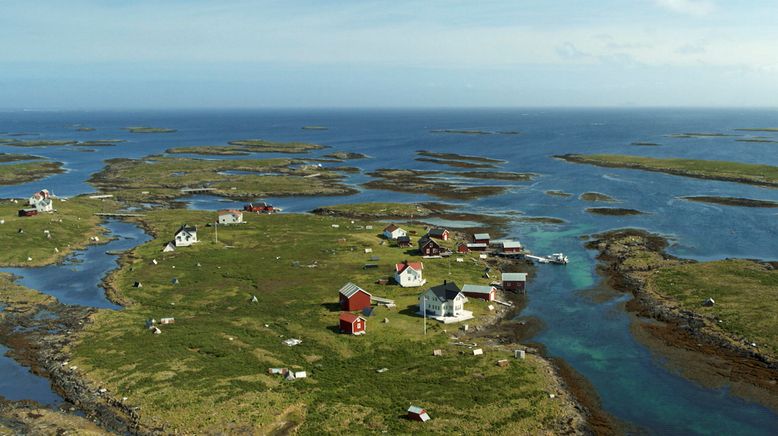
x: 248, y: 146
x: 754, y: 174
x: 161, y: 178
x: 377, y: 210
x: 343, y: 155
x: 731, y: 201
x: 596, y: 196
x: 613, y: 211
x: 23, y: 172
x: 442, y: 184
x: 459, y: 157
x: 217, y: 353
x: 70, y: 227
x: 146, y: 129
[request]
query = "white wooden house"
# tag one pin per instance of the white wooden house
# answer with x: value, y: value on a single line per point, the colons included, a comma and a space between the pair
x: 393, y: 232
x: 42, y: 201
x: 230, y: 216
x: 445, y: 303
x: 409, y: 274
x: 185, y: 236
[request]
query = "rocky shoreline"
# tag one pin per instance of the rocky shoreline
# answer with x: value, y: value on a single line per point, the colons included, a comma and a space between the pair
x: 619, y: 252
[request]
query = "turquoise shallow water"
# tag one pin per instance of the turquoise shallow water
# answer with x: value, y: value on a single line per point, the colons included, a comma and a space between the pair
x: 591, y: 334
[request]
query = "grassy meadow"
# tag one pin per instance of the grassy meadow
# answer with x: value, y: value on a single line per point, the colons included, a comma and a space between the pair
x: 71, y: 226
x: 208, y: 371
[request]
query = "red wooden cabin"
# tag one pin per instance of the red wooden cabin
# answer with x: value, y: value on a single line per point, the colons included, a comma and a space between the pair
x: 352, y: 297
x: 352, y: 324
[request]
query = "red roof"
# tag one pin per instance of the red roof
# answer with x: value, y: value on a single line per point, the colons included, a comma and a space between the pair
x: 232, y: 211
x: 400, y: 267
x: 391, y: 228
x: 349, y: 317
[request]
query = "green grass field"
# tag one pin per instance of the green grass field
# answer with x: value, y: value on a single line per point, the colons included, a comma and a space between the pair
x: 207, y: 372
x: 23, y: 172
x: 704, y: 169
x: 746, y: 295
x: 71, y: 226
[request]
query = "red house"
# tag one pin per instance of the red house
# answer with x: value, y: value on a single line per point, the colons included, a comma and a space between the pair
x: 487, y: 293
x: 352, y: 324
x: 428, y: 247
x: 481, y: 238
x: 512, y: 247
x: 462, y: 248
x: 514, y: 281
x: 438, y: 233
x: 352, y: 297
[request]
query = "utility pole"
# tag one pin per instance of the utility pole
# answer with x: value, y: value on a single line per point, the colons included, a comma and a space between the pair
x: 216, y: 231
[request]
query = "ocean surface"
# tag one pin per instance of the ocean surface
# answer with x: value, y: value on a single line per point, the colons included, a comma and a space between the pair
x: 591, y: 334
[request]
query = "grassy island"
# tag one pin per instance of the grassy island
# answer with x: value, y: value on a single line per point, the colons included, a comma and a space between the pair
x: 759, y: 129
x: 160, y: 178
x: 343, y: 155
x: 613, y: 211
x: 36, y: 142
x: 442, y: 184
x: 744, y: 292
x: 754, y: 174
x: 146, y: 129
x: 459, y: 157
x: 557, y: 193
x: 732, y: 201
x: 690, y: 135
x: 70, y: 227
x: 23, y: 172
x: 248, y: 146
x: 218, y: 351
x: 596, y: 196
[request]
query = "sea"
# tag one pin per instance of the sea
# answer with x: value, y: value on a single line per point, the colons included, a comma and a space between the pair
x: 583, y: 323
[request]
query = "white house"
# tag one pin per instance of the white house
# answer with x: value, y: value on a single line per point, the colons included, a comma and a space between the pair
x: 185, y: 236
x: 445, y: 303
x: 409, y: 274
x: 42, y: 201
x: 230, y: 216
x: 393, y: 232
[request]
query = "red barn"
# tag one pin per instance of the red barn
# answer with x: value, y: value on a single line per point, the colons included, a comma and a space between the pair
x: 481, y: 238
x: 352, y: 324
x: 352, y: 297
x: 514, y: 281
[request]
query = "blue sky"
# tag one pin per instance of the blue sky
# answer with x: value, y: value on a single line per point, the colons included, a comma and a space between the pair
x: 209, y: 53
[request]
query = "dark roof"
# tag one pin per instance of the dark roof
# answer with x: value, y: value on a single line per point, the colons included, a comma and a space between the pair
x: 437, y: 232
x: 426, y: 240
x: 446, y: 291
x: 187, y: 228
x: 349, y: 317
x: 404, y: 239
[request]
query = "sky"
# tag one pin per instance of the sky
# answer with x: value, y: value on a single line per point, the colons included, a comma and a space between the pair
x: 115, y: 54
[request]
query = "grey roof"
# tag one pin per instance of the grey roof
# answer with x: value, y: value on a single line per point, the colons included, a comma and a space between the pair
x: 447, y: 291
x: 511, y: 244
x: 416, y: 410
x: 439, y: 231
x: 349, y: 289
x: 426, y: 240
x: 477, y: 289
x: 514, y: 277
x: 477, y: 245
x: 481, y: 236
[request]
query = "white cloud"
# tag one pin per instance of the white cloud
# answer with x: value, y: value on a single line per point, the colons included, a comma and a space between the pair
x: 689, y: 7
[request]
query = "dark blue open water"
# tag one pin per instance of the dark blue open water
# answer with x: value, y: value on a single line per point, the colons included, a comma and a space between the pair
x: 592, y: 335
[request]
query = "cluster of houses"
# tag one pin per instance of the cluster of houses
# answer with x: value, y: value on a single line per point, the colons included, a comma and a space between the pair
x: 41, y: 201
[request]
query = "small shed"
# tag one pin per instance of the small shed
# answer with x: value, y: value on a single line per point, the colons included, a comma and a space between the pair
x: 352, y: 324
x: 416, y: 413
x: 404, y: 241
x: 167, y: 320
x: 352, y: 297
x: 168, y: 247
x: 463, y: 248
x: 515, y: 282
